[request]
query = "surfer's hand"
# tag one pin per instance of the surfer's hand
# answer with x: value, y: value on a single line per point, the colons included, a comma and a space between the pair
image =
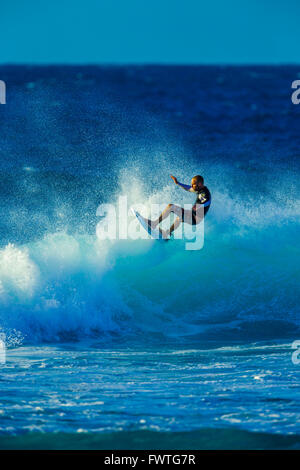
x: 174, y: 179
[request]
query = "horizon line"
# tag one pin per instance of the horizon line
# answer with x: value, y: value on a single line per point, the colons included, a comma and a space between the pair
x: 149, y: 64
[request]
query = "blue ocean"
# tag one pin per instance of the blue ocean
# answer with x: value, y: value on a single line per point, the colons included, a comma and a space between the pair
x: 142, y: 344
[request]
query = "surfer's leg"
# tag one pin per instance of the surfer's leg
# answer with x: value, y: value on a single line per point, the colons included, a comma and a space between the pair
x: 170, y: 208
x: 190, y: 217
x: 185, y: 216
x: 174, y: 226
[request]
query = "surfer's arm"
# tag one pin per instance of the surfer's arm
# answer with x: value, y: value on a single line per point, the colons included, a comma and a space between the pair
x: 186, y: 187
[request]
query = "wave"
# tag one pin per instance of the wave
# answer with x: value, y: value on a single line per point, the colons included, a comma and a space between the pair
x: 241, y: 285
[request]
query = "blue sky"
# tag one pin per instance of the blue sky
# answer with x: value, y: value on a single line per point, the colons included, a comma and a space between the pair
x: 150, y: 31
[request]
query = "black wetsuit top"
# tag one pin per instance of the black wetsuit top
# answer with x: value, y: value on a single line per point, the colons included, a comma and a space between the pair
x: 203, y: 199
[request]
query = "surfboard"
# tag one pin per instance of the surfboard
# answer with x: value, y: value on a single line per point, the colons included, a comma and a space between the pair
x: 156, y: 234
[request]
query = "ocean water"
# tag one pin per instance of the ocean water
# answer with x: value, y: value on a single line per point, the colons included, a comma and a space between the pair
x: 137, y: 343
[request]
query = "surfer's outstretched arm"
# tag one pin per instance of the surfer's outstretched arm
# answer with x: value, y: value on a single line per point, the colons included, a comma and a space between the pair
x: 186, y: 187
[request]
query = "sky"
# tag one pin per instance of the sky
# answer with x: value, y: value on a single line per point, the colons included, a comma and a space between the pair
x: 149, y: 31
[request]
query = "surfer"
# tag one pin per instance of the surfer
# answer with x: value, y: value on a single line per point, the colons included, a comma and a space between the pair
x: 193, y: 216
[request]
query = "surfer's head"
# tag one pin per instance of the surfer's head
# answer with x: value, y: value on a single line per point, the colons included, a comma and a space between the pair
x: 197, y: 182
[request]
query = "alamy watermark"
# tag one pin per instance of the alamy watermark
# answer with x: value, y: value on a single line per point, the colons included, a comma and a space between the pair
x: 296, y: 353
x: 118, y: 222
x: 296, y: 94
x: 2, y: 92
x: 2, y: 348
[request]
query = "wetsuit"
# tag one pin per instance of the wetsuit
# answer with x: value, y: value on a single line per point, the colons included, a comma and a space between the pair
x: 203, y: 199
